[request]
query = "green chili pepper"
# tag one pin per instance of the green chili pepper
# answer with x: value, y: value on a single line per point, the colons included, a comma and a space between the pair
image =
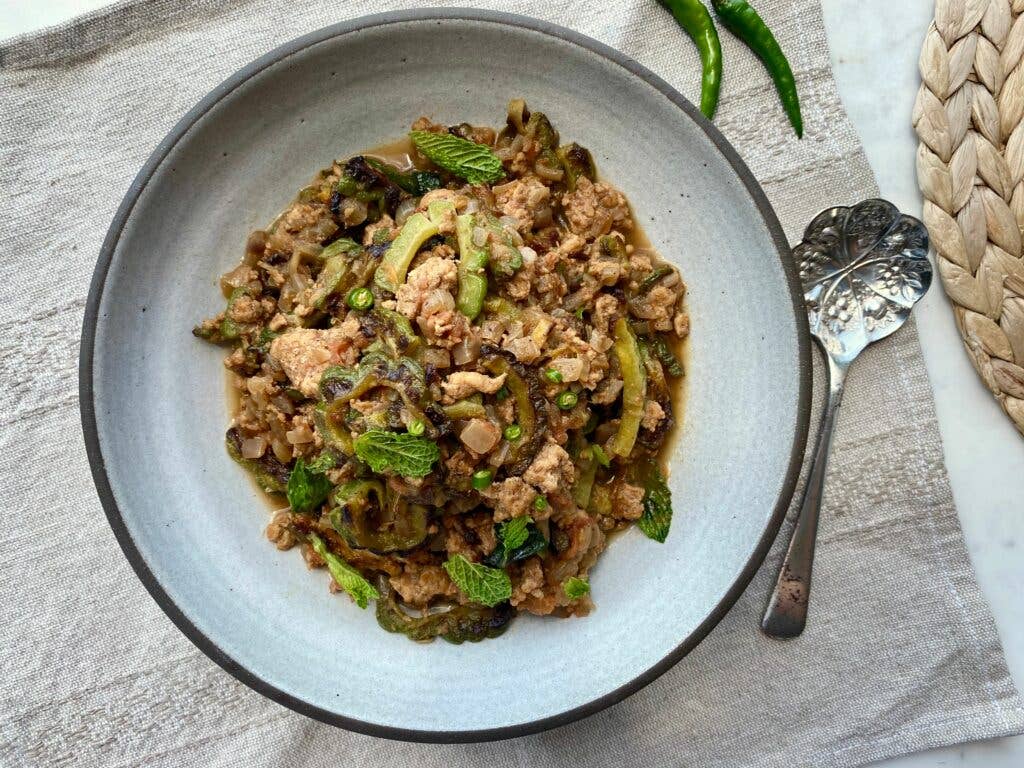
x: 416, y: 427
x: 513, y: 432
x: 360, y: 298
x: 744, y: 22
x: 695, y: 20
x: 482, y: 478
x: 555, y: 377
x: 567, y: 400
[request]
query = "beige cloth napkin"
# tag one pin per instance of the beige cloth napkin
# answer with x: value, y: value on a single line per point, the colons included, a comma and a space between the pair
x: 901, y: 652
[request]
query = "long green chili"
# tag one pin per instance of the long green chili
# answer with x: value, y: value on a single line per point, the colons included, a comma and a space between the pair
x: 695, y: 20
x: 744, y: 22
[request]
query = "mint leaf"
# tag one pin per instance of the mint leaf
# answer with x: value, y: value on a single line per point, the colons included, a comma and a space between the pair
x: 307, y: 487
x: 657, y: 516
x: 402, y: 453
x: 471, y: 161
x: 575, y: 587
x: 347, y: 577
x: 321, y: 463
x: 515, y: 532
x: 487, y: 586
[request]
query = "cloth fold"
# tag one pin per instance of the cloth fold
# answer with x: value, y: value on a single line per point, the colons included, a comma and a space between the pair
x: 901, y: 652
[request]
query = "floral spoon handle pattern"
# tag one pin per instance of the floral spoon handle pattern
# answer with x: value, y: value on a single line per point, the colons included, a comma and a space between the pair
x: 862, y: 269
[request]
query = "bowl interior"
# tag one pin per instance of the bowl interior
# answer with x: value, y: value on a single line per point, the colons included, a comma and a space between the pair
x: 194, y: 520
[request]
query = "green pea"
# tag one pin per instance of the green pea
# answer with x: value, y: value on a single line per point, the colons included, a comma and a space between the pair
x: 482, y: 478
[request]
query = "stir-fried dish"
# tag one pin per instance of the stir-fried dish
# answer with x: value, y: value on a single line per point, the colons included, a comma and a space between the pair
x: 457, y: 362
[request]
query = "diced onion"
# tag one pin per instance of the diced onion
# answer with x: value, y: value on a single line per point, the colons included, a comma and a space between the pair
x: 439, y: 358
x: 299, y: 435
x: 405, y: 210
x: 571, y: 368
x: 472, y: 206
x: 497, y: 458
x: 282, y: 450
x: 479, y: 237
x: 254, y: 447
x: 551, y: 174
x: 480, y: 435
x: 467, y: 350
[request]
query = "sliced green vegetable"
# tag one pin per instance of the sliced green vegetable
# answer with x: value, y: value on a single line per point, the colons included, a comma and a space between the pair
x: 487, y: 586
x: 575, y: 587
x: 529, y: 401
x: 347, y: 577
x: 584, y: 485
x: 368, y: 516
x: 417, y: 229
x: 576, y: 163
x: 307, y: 488
x: 414, y: 182
x: 472, y: 268
x: 416, y: 427
x: 229, y: 329
x: 456, y: 623
x: 271, y: 475
x: 661, y: 350
x: 473, y: 162
x: 634, y: 388
x: 341, y: 246
x: 465, y: 409
x: 555, y: 377
x: 512, y: 432
x: 402, y: 454
x: 600, y: 456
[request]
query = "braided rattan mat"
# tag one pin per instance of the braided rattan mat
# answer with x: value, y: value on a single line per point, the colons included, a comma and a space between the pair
x: 970, y: 167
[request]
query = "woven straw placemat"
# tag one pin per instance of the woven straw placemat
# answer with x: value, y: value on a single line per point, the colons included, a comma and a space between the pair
x: 970, y: 167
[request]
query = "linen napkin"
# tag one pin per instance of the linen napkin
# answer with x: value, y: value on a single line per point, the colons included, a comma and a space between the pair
x: 900, y: 654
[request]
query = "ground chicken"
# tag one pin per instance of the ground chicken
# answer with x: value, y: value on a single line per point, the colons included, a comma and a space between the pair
x: 571, y: 245
x: 385, y: 225
x: 305, y: 353
x: 627, y: 500
x: 433, y: 274
x: 607, y: 391
x: 593, y: 208
x: 653, y: 414
x: 551, y: 469
x: 420, y: 584
x: 522, y: 199
x: 530, y: 582
x: 511, y: 497
x: 462, y: 384
x: 657, y: 306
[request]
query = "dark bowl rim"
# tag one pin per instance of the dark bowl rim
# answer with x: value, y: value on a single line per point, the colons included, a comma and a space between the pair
x: 98, y: 466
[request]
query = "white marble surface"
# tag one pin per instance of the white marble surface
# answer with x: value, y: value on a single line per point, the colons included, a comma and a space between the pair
x: 874, y: 53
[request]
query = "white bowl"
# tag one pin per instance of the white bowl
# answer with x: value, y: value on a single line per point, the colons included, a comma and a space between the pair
x: 154, y: 408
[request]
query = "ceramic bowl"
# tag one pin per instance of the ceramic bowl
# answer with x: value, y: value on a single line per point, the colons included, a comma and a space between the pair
x: 154, y: 407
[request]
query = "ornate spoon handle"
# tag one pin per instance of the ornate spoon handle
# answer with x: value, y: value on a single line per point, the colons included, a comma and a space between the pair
x: 787, y: 608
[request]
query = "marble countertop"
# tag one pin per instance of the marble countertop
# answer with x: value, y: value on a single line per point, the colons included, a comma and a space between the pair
x: 875, y: 45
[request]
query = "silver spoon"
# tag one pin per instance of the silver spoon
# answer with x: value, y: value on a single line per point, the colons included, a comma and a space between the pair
x: 862, y: 269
